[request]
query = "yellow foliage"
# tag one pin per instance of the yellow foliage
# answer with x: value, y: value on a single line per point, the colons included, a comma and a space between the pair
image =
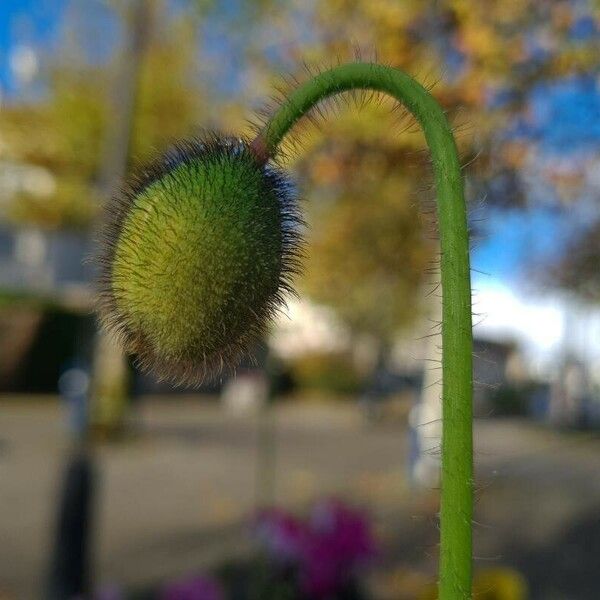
x: 498, y: 583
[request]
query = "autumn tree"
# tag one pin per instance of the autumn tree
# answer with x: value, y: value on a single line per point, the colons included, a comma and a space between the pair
x: 485, y: 61
x: 66, y: 129
x: 578, y: 269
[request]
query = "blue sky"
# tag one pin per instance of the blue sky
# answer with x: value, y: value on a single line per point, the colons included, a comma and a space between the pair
x: 513, y: 236
x: 30, y: 20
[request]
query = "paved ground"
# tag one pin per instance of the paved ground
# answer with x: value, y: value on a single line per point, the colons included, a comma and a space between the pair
x: 176, y: 496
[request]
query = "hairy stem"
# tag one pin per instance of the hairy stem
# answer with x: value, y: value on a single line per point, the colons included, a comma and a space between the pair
x: 457, y: 438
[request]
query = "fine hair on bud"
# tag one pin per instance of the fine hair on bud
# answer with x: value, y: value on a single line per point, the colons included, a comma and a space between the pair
x: 197, y: 253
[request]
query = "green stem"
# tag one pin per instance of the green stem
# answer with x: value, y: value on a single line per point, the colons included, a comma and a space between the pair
x: 457, y: 438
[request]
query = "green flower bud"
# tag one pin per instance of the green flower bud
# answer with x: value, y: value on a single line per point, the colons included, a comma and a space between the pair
x: 197, y: 254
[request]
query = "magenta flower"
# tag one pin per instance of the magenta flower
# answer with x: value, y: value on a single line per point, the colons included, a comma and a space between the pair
x: 340, y: 543
x: 282, y: 536
x: 194, y: 588
x: 326, y: 551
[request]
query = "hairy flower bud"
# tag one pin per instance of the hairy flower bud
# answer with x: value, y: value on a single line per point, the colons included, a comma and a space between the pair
x: 197, y: 253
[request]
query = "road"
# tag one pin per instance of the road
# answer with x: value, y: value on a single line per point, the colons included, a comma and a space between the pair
x: 176, y: 496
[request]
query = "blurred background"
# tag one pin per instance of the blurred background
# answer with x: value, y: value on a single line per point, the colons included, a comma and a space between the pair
x: 314, y: 472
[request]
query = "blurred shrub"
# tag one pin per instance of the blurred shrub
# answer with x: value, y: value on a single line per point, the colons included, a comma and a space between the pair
x: 73, y: 206
x: 511, y: 400
x: 325, y: 372
x: 38, y: 342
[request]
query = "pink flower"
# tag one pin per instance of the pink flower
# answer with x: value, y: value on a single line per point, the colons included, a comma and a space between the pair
x: 282, y: 536
x: 326, y: 551
x: 340, y: 543
x: 345, y: 529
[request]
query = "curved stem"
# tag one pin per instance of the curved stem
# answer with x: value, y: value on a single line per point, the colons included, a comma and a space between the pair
x: 457, y: 442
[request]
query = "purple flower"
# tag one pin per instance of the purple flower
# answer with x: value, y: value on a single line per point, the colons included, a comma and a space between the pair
x: 325, y: 551
x: 340, y: 543
x: 282, y: 536
x: 194, y: 588
x: 346, y: 529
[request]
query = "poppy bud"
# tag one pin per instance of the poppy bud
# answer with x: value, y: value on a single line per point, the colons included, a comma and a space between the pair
x: 197, y: 254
